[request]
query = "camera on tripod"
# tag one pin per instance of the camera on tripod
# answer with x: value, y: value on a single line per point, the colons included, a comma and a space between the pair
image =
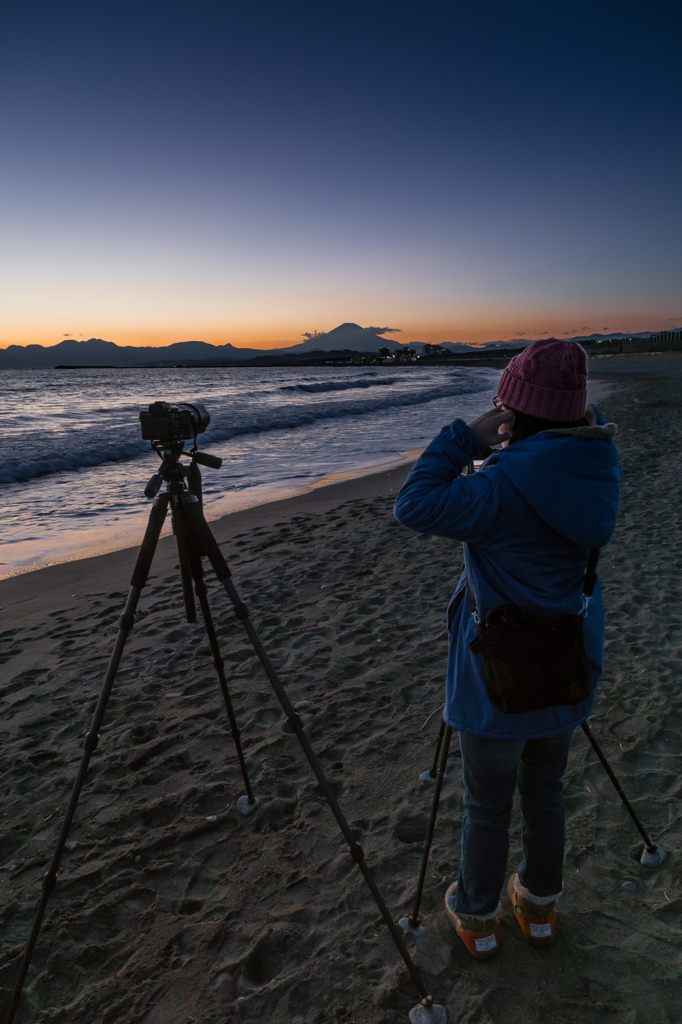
x: 173, y: 424
x: 168, y: 427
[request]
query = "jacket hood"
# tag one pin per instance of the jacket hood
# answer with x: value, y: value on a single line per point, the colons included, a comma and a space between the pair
x: 571, y: 477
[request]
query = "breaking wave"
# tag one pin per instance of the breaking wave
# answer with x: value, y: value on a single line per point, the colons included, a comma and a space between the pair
x: 14, y: 472
x: 339, y: 385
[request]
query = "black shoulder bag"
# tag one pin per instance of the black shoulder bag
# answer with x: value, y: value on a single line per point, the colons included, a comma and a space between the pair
x: 531, y: 663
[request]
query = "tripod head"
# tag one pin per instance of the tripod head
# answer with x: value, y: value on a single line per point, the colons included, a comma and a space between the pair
x: 172, y: 472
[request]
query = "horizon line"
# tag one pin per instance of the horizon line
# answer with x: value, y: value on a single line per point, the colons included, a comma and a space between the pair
x: 274, y: 346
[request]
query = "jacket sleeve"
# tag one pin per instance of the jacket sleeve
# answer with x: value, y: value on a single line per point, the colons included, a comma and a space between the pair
x: 437, y: 499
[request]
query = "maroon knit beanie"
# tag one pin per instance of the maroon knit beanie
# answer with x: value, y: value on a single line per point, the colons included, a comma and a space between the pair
x: 547, y: 380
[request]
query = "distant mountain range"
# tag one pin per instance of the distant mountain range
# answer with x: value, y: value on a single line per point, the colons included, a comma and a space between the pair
x: 97, y: 352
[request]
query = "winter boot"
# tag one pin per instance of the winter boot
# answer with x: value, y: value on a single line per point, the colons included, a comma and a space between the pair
x: 536, y: 914
x: 480, y: 935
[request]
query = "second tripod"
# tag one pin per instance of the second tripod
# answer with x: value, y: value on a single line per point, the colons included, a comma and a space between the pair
x: 652, y: 855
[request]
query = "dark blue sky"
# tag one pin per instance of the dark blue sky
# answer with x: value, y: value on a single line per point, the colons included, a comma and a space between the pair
x: 246, y: 173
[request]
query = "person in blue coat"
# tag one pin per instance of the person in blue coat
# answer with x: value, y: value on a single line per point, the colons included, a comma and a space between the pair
x: 528, y: 521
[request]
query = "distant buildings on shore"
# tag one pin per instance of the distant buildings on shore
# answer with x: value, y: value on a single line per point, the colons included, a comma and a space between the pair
x: 409, y: 355
x: 664, y: 341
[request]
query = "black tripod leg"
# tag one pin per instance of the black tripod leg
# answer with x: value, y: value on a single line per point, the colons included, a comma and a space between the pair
x: 248, y: 803
x: 182, y: 539
x: 140, y: 574
x: 653, y: 854
x: 209, y: 546
x: 411, y: 923
x: 431, y: 774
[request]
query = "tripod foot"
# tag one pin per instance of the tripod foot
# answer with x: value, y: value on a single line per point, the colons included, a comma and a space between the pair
x: 652, y: 858
x: 416, y: 930
x: 245, y: 807
x: 428, y: 777
x: 433, y: 1014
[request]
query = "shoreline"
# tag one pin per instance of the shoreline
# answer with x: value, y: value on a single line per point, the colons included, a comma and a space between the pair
x: 93, y: 547
x: 112, y: 568
x: 279, y: 432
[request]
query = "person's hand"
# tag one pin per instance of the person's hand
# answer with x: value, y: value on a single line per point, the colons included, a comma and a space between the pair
x: 493, y: 427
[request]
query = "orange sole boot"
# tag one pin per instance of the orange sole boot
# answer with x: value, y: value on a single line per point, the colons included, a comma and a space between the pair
x: 538, y: 924
x: 482, y: 942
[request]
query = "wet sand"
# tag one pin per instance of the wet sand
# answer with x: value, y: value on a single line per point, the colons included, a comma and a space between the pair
x: 172, y: 907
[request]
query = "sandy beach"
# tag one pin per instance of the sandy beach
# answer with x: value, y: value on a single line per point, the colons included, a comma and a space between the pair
x: 173, y: 908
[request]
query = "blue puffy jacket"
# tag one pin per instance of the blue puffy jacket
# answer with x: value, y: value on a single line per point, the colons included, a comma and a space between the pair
x: 528, y: 520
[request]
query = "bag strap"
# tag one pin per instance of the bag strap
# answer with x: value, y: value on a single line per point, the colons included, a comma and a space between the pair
x: 470, y: 594
x: 590, y: 579
x: 589, y: 582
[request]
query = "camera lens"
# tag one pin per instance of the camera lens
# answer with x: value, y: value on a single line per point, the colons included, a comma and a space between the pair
x: 173, y: 424
x: 199, y: 414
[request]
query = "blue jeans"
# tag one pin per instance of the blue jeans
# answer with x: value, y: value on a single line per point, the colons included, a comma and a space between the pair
x: 491, y: 770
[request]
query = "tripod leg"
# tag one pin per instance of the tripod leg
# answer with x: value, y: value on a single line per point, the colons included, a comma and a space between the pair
x: 411, y: 923
x: 247, y: 803
x: 432, y: 773
x: 140, y: 574
x: 208, y: 544
x: 653, y: 854
x: 180, y: 529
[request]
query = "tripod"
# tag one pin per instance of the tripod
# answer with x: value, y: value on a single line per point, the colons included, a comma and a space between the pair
x: 194, y: 541
x: 652, y: 855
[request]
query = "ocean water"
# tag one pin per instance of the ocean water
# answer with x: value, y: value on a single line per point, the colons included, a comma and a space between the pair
x: 73, y: 467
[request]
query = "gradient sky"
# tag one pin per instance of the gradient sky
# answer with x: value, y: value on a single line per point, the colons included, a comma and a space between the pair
x: 247, y: 172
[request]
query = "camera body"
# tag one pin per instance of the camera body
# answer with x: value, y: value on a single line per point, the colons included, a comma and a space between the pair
x: 173, y: 424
